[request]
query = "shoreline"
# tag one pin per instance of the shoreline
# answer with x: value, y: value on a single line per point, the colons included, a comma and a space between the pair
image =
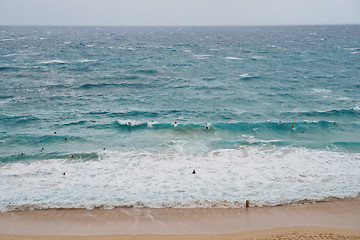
x: 334, y: 215
x: 304, y: 233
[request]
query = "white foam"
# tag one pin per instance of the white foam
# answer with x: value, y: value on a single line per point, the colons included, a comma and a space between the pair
x: 129, y: 122
x: 256, y: 57
x: 233, y: 58
x: 343, y: 98
x: 150, y: 124
x: 7, y: 39
x: 321, y: 90
x: 201, y: 56
x: 58, y: 61
x: 9, y: 55
x: 266, y: 175
x: 245, y: 75
x: 352, y: 49
x: 86, y: 60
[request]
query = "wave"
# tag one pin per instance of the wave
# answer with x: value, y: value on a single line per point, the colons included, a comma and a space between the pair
x: 117, y: 78
x: 353, y: 112
x: 235, y: 126
x: 82, y: 122
x: 146, y: 71
x: 6, y: 96
x: 136, y: 114
x: 109, y: 85
x: 23, y: 68
x: 173, y: 204
x: 20, y: 119
x: 42, y: 154
x: 247, y: 76
x: 310, y: 134
x: 179, y: 138
x: 6, y: 68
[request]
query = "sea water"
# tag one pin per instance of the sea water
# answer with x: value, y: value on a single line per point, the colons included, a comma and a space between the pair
x: 122, y: 116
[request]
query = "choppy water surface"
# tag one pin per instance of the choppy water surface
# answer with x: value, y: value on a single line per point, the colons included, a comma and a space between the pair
x: 269, y: 114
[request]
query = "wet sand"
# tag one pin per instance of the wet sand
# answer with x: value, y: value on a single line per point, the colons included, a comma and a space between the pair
x: 333, y: 219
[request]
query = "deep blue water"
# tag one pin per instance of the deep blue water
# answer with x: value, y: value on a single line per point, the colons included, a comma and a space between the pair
x: 115, y: 93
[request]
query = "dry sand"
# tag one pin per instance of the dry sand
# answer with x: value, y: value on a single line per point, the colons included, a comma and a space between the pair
x: 335, y: 219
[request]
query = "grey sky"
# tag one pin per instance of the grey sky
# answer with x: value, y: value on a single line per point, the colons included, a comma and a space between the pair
x: 178, y: 12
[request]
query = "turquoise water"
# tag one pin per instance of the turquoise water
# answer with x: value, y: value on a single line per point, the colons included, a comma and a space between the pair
x: 258, y: 111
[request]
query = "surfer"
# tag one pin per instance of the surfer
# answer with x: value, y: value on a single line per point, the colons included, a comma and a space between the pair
x: 292, y: 126
x: 129, y: 123
x: 193, y: 172
x: 175, y: 124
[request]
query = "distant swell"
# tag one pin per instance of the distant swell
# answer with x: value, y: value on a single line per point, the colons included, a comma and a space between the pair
x: 333, y: 113
x: 118, y: 85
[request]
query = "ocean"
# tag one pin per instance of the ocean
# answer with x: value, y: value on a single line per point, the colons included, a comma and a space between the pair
x: 181, y: 117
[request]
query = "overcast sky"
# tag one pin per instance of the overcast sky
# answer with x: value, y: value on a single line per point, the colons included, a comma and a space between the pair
x: 178, y: 12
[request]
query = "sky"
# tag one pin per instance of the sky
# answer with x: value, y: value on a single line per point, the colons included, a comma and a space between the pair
x: 179, y: 12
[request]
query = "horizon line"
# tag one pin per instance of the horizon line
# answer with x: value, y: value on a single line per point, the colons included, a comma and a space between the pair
x: 249, y: 25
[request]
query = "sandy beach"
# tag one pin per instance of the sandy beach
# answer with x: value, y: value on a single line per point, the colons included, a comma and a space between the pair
x: 333, y: 219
